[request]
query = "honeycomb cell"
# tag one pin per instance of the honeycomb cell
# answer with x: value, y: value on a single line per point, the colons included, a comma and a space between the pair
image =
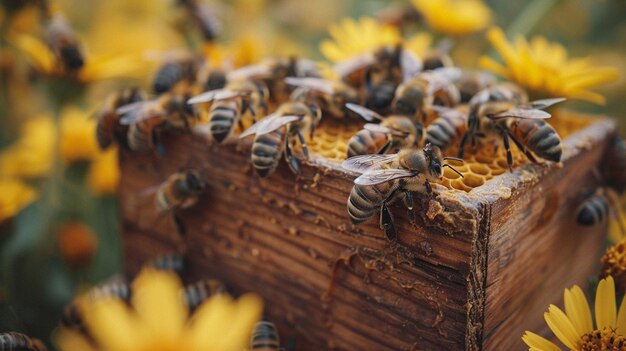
x: 473, y: 180
x: 479, y: 168
x: 450, y: 174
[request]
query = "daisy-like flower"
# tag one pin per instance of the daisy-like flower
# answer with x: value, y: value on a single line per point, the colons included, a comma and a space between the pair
x: 575, y: 327
x: 15, y: 196
x: 159, y: 320
x: 454, y: 17
x: 350, y: 38
x: 544, y: 68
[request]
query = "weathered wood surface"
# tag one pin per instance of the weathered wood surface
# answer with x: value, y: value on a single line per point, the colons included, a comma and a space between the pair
x: 454, y: 279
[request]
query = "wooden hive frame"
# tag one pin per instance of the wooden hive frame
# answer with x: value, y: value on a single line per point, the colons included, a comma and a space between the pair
x: 472, y: 272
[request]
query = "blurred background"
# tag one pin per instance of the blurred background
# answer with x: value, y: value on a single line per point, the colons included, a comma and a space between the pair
x: 59, y: 229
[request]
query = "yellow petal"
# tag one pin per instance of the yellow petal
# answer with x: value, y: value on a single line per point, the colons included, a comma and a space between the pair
x: 36, y: 52
x: 15, y: 196
x: 68, y: 340
x: 536, y: 342
x: 489, y: 64
x: 112, y: 325
x: 157, y: 300
x: 562, y: 327
x: 577, y: 310
x: 621, y: 318
x: 606, y: 311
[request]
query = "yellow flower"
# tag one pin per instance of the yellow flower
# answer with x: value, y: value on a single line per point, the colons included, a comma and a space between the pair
x: 575, y: 328
x: 454, y: 17
x: 419, y: 43
x: 159, y: 320
x: 15, y: 196
x: 32, y: 155
x: 104, y: 173
x: 544, y: 68
x: 350, y: 38
x: 77, y: 141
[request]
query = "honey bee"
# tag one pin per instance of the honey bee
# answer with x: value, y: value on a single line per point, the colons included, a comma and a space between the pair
x: 265, y: 337
x: 330, y: 96
x: 147, y: 118
x: 386, y: 178
x: 274, y: 135
x: 64, y: 43
x: 503, y: 110
x: 614, y: 164
x: 183, y: 68
x: 598, y: 206
x: 472, y: 82
x: 448, y: 127
x: 170, y: 262
x: 436, y: 59
x: 231, y: 103
x: 399, y: 132
x: 204, y: 18
x: 195, y: 294
x: 109, y: 130
x: 13, y: 341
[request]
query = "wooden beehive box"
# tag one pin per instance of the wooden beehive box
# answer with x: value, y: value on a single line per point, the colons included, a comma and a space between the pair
x: 480, y: 264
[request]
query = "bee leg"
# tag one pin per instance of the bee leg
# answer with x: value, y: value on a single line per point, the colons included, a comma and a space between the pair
x: 522, y: 148
x: 252, y: 112
x: 386, y: 223
x: 312, y: 131
x: 507, y: 147
x: 462, y: 145
x: 158, y: 146
x: 305, y: 149
x: 178, y: 222
x: 292, y: 162
x: 429, y: 189
x: 385, y: 148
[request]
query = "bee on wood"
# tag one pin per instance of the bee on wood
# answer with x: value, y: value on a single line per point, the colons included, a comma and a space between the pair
x: 503, y: 110
x: 399, y: 132
x: 169, y: 262
x: 109, y: 129
x: 13, y: 341
x: 181, y: 190
x: 64, y: 43
x: 196, y: 294
x: 386, y: 178
x: 275, y: 134
x: 147, y: 118
x: 330, y: 96
x: 598, y: 206
x: 448, y: 127
x: 265, y: 337
x: 230, y: 103
x: 613, y: 166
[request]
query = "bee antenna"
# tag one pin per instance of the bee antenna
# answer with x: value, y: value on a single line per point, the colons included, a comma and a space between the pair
x: 454, y: 169
x: 453, y: 159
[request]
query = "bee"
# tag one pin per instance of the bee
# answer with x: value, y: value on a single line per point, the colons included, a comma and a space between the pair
x: 64, y: 43
x: 230, y: 103
x: 435, y: 59
x: 503, y: 110
x: 448, y: 127
x: 13, y: 341
x: 181, y: 190
x: 399, y: 132
x: 330, y: 96
x: 597, y: 207
x: 265, y: 337
x: 204, y: 18
x: 614, y: 164
x: 386, y: 178
x: 471, y: 82
x: 175, y: 70
x: 170, y: 262
x: 400, y: 16
x: 274, y: 135
x: 147, y: 118
x: 109, y: 130
x: 195, y: 294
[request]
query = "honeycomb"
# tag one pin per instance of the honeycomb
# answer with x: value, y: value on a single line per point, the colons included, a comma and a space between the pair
x: 489, y: 159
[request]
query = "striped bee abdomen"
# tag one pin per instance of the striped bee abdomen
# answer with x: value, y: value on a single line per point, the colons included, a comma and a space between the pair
x: 265, y: 337
x: 593, y: 211
x: 266, y: 152
x: 365, y: 201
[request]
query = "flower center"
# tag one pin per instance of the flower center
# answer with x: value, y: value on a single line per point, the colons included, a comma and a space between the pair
x: 614, y: 264
x: 603, y: 340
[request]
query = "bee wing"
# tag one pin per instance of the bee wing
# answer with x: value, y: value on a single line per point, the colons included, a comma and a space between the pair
x: 364, y: 112
x: 251, y: 71
x: 323, y: 85
x: 385, y: 130
x: 545, y: 103
x: 363, y: 163
x: 353, y: 64
x: 217, y: 94
x: 378, y: 176
x: 411, y: 65
x: 135, y: 111
x: 269, y: 124
x: 441, y: 78
x: 521, y: 112
x: 447, y: 111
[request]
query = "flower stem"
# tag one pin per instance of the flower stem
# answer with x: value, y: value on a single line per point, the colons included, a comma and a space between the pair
x: 529, y: 17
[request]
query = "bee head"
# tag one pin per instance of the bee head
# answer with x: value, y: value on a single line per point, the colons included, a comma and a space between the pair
x: 434, y: 159
x: 194, y: 182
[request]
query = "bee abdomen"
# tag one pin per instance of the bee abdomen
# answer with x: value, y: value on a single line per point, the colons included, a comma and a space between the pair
x: 266, y: 152
x: 265, y: 337
x: 104, y: 133
x: 365, y: 142
x: 593, y: 211
x: 364, y: 201
x: 13, y: 341
x: 195, y: 294
x: 138, y: 140
x: 170, y: 262
x: 221, y: 120
x: 546, y: 143
x: 440, y: 133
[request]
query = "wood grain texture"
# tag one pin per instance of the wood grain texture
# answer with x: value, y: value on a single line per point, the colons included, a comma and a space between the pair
x: 451, y: 282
